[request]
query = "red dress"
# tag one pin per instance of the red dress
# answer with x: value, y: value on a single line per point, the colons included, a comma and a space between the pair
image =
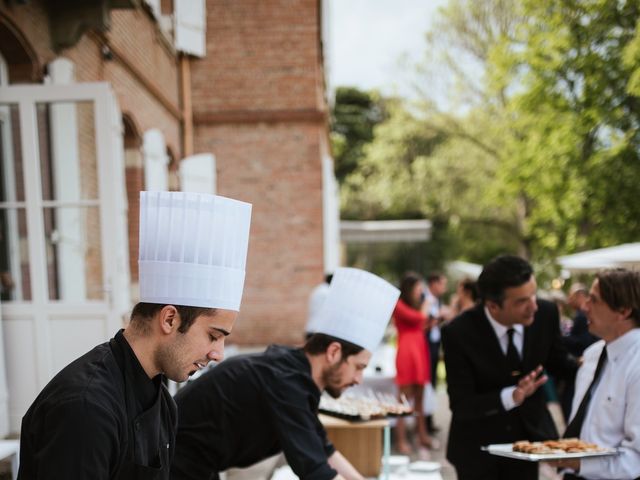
x: 412, y: 357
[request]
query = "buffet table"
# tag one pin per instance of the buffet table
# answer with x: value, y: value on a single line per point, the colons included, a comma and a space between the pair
x: 362, y: 443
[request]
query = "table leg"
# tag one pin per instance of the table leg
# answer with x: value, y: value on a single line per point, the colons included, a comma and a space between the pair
x: 386, y: 452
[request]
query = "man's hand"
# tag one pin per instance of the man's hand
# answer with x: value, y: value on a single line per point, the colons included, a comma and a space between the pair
x: 528, y: 385
x: 572, y: 463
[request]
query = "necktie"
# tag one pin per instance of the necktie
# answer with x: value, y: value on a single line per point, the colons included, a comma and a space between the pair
x: 575, y: 426
x: 513, y: 358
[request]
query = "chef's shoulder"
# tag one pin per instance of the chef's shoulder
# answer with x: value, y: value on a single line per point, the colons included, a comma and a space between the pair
x: 94, y: 380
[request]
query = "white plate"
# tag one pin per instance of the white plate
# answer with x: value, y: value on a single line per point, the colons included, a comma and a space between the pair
x: 424, y: 466
x: 506, y: 450
x: 396, y: 461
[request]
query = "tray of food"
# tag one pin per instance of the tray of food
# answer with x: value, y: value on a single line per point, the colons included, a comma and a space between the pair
x: 549, y: 450
x: 373, y: 406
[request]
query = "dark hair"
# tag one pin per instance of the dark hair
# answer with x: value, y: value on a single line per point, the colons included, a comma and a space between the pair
x: 408, y: 282
x: 620, y: 288
x: 319, y: 342
x: 504, y: 271
x: 145, y: 311
x: 471, y: 287
x: 434, y: 277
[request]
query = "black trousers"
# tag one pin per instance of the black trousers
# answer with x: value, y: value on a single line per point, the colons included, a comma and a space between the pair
x: 499, y: 469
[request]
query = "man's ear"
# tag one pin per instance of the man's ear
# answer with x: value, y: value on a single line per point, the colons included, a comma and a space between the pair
x: 625, y: 312
x: 493, y: 307
x: 169, y: 319
x: 334, y: 353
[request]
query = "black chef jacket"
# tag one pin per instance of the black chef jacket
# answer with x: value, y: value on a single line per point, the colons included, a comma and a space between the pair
x: 100, y: 418
x: 248, y: 408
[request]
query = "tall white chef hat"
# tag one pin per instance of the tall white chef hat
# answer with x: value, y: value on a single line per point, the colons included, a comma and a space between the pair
x: 193, y: 249
x: 357, y: 308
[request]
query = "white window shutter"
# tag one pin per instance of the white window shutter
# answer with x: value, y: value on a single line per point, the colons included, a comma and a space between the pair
x: 156, y: 161
x: 190, y: 26
x: 198, y: 174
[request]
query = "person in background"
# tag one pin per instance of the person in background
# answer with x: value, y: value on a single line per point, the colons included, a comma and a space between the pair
x: 579, y: 337
x: 107, y: 415
x: 436, y: 287
x: 495, y: 354
x: 466, y: 296
x: 606, y: 407
x: 577, y: 340
x: 412, y: 357
x: 316, y: 299
x: 251, y: 407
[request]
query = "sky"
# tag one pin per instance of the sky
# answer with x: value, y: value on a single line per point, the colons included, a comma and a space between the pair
x: 370, y: 39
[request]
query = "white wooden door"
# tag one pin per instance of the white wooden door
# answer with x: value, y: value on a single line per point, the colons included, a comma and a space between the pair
x: 63, y: 268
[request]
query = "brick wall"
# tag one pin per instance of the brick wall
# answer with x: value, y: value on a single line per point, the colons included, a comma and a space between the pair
x: 277, y: 169
x: 260, y: 55
x: 264, y: 57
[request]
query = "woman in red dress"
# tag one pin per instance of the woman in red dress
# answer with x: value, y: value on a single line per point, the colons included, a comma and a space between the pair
x: 412, y: 357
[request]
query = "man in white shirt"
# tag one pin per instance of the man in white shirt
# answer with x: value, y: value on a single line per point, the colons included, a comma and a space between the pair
x: 606, y: 406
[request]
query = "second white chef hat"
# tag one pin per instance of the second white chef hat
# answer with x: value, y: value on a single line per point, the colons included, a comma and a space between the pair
x: 357, y: 308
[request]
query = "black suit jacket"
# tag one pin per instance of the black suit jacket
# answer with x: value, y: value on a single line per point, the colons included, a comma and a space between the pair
x: 476, y: 374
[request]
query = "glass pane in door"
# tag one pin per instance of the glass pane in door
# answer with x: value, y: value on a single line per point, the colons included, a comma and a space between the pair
x: 67, y: 145
x: 74, y: 253
x: 15, y: 280
x: 11, y: 173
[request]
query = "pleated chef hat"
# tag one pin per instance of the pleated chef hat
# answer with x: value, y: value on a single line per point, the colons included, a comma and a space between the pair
x: 193, y: 249
x: 357, y: 308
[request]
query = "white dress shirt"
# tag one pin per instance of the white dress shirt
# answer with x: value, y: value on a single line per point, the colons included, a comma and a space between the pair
x: 506, y: 394
x: 613, y: 415
x: 434, y: 311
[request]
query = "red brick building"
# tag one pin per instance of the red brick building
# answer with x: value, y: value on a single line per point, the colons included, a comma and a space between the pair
x: 228, y: 99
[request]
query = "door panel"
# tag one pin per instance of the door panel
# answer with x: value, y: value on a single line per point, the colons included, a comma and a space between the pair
x: 61, y: 201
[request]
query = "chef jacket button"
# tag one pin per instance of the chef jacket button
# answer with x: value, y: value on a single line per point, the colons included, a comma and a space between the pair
x: 508, y: 428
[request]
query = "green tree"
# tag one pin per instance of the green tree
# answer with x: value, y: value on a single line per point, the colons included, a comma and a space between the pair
x: 575, y: 151
x: 354, y: 115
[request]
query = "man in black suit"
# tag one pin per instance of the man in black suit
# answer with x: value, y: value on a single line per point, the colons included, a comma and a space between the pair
x: 495, y: 354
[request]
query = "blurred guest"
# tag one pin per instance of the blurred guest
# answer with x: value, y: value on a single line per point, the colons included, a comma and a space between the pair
x: 577, y: 340
x: 579, y: 337
x: 606, y: 407
x: 494, y: 354
x: 436, y: 287
x: 412, y: 358
x: 466, y: 296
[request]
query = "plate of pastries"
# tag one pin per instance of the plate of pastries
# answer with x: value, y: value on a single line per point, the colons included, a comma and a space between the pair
x: 372, y: 406
x: 549, y: 449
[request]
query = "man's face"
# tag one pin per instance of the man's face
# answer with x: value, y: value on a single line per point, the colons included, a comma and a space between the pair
x: 438, y: 287
x: 185, y: 353
x: 602, y: 318
x: 519, y: 305
x: 344, y: 374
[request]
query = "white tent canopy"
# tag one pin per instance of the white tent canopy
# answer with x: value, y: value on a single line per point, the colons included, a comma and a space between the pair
x: 626, y: 255
x: 459, y: 269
